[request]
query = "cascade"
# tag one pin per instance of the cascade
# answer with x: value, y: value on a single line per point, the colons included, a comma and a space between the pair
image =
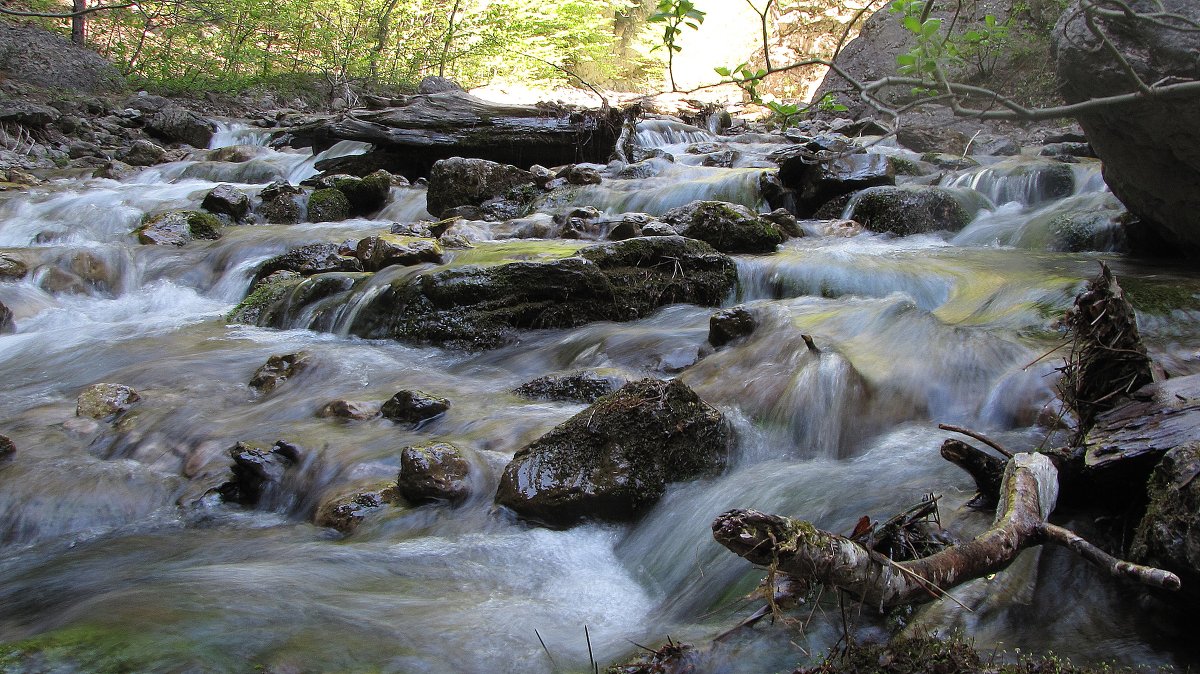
x: 112, y: 540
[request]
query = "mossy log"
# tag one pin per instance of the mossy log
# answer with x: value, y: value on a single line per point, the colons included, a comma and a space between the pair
x: 408, y: 139
x: 1028, y: 495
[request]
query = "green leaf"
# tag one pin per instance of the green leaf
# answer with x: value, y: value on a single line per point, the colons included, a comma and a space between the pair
x: 722, y: 71
x: 912, y: 24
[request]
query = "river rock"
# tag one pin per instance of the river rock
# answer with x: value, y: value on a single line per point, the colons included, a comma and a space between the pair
x: 811, y: 185
x: 281, y: 204
x: 257, y: 471
x: 437, y: 471
x: 178, y: 228
x: 1168, y: 536
x: 255, y: 309
x: 365, y: 195
x: 6, y: 320
x: 328, y: 205
x: 8, y: 449
x: 178, y: 125
x: 26, y: 113
x: 103, y: 401
x: 349, y: 409
x: 12, y: 268
x: 471, y: 182
x: 482, y: 307
x: 227, y: 200
x: 580, y: 387
x: 730, y: 228
x: 1151, y: 149
x: 385, y: 250
x: 413, y: 407
x: 905, y: 210
x: 313, y: 258
x: 141, y: 153
x: 614, y: 460
x: 729, y: 324
x: 933, y: 139
x: 575, y: 174
x: 345, y: 509
x: 279, y: 369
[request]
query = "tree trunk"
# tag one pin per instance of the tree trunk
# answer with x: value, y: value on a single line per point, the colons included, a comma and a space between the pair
x: 78, y: 22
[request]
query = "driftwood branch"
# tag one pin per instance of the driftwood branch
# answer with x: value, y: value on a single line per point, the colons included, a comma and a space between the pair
x: 1028, y: 495
x: 987, y: 470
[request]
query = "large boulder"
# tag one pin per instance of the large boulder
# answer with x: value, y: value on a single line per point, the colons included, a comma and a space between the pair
x: 482, y: 307
x: 730, y: 228
x: 1168, y: 536
x: 1150, y: 149
x: 27, y: 114
x: 904, y: 210
x: 805, y: 185
x: 471, y: 182
x: 615, y: 459
x: 105, y: 401
x: 178, y: 125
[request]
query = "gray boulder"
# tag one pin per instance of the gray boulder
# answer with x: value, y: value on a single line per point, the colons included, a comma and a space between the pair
x: 178, y: 228
x: 458, y: 182
x: 1150, y: 150
x: 27, y: 114
x: 808, y: 185
x: 177, y: 125
x: 227, y: 200
x: 385, y: 250
x: 141, y: 153
x: 413, y: 407
x: 615, y: 459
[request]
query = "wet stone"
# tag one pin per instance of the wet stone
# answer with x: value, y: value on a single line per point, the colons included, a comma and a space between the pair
x: 6, y: 320
x: 7, y: 449
x: 349, y: 409
x: 279, y: 369
x: 414, y: 407
x: 255, y: 470
x: 227, y: 200
x: 436, y: 471
x: 730, y: 324
x: 101, y: 401
x: 345, y: 509
x: 582, y: 387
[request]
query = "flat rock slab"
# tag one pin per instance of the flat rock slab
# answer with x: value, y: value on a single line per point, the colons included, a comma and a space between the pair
x: 1158, y: 418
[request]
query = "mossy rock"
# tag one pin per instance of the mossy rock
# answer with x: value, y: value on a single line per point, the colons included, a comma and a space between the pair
x: 328, y: 205
x: 264, y: 295
x: 614, y: 460
x: 730, y: 228
x: 178, y: 228
x: 907, y: 210
x: 365, y: 195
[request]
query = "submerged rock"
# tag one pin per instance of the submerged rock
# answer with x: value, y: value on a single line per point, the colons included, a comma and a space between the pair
x: 482, y: 307
x: 7, y: 448
x: 178, y: 228
x: 346, y: 508
x: 414, y: 407
x: 102, y: 401
x: 583, y: 387
x: 437, y: 471
x: 279, y: 369
x: 614, y: 460
x: 349, y: 409
x: 730, y: 228
x: 257, y: 470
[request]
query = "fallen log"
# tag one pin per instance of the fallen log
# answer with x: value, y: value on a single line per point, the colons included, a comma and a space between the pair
x: 1028, y: 495
x: 409, y: 138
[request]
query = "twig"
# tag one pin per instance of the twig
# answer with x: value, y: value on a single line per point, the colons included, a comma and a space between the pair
x: 978, y: 436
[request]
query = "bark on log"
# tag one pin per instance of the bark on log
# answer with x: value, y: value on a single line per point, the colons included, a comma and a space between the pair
x: 1029, y: 493
x: 408, y: 139
x: 987, y: 470
x: 1158, y: 418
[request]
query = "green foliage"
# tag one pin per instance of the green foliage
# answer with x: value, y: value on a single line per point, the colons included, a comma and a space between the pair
x: 745, y: 77
x: 980, y: 46
x: 673, y: 14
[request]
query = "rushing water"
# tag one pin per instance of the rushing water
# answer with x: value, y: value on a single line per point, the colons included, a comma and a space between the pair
x: 104, y: 567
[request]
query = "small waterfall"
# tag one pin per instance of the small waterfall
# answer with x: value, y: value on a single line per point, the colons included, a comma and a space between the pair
x: 672, y: 186
x: 1028, y: 182
x: 230, y: 133
x: 662, y: 133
